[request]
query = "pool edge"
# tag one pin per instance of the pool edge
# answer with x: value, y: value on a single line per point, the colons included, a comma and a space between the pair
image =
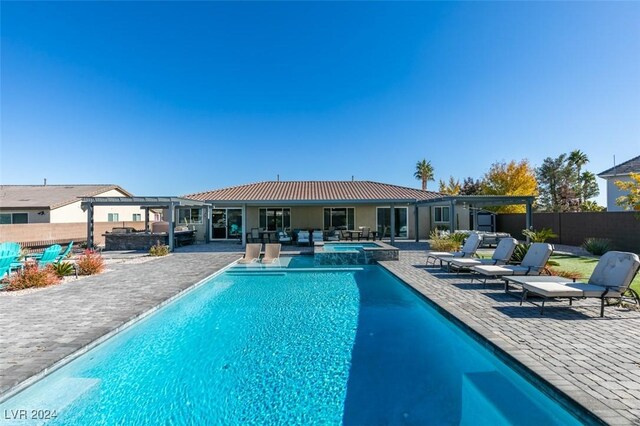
x: 19, y: 387
x: 495, y: 344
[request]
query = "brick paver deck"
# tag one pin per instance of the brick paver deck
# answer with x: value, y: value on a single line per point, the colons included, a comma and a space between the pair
x: 596, y: 361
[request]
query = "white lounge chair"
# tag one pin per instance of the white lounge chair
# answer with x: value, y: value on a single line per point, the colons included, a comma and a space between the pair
x: 500, y: 256
x: 468, y: 250
x: 533, y: 263
x: 611, y: 278
x: 303, y: 237
x: 251, y: 253
x: 271, y: 253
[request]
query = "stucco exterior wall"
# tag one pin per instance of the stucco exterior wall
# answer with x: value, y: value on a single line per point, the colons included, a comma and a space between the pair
x: 32, y: 214
x: 72, y: 213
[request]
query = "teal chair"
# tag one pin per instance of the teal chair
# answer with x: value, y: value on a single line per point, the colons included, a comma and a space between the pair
x: 6, y: 262
x: 11, y: 249
x: 62, y: 256
x: 49, y: 256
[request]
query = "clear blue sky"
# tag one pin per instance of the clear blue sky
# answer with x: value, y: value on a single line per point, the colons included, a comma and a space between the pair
x: 173, y: 98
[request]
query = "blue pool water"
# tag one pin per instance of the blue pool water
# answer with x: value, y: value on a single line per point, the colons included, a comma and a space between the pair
x: 292, y: 346
x: 348, y: 247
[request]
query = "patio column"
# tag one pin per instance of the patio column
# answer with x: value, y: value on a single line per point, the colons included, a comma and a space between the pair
x: 90, y: 226
x: 393, y: 223
x: 415, y: 212
x: 528, y: 217
x: 475, y: 217
x: 244, y: 225
x: 452, y: 216
x: 146, y: 219
x: 170, y: 214
x: 207, y: 224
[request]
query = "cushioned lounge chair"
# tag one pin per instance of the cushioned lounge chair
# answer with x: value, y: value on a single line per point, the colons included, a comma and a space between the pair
x: 251, y: 253
x: 533, y: 263
x: 500, y: 256
x: 468, y: 250
x: 271, y: 253
x: 611, y: 278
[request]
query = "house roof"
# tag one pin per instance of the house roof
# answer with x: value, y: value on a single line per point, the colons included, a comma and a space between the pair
x: 49, y: 196
x: 630, y: 166
x: 314, y: 191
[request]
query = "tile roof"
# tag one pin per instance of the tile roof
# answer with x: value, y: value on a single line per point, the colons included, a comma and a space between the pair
x: 630, y: 166
x: 49, y: 196
x: 314, y: 191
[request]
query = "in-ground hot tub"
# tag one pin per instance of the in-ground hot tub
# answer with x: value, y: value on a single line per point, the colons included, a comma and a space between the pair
x: 353, y: 253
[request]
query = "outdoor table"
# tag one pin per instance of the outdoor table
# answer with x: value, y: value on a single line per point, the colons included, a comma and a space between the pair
x: 266, y: 235
x: 353, y: 232
x: 373, y: 234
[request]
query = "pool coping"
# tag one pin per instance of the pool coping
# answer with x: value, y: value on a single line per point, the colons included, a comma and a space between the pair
x: 19, y: 387
x: 567, y: 395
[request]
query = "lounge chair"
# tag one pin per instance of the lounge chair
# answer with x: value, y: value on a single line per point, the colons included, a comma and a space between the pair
x: 611, y: 278
x: 500, y: 256
x: 271, y: 253
x: 533, y: 263
x: 251, y: 254
x: 468, y: 250
x: 303, y: 237
x: 317, y: 236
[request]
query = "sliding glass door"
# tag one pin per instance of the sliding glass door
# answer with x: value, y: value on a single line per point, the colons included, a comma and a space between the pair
x: 275, y: 219
x: 339, y: 218
x: 226, y: 224
x: 384, y: 222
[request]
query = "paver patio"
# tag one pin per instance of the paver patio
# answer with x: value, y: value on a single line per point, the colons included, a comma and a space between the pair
x: 594, y: 360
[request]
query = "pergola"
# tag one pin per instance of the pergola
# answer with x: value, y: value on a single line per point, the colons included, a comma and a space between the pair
x: 477, y: 201
x: 145, y: 203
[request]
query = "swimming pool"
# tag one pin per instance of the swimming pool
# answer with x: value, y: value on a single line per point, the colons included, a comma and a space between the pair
x: 292, y: 345
x: 348, y: 247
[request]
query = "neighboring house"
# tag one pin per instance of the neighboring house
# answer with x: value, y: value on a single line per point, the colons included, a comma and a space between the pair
x: 61, y: 204
x: 274, y: 205
x: 620, y: 172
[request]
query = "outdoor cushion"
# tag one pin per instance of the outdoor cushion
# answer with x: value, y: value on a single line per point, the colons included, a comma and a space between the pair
x: 445, y: 254
x: 505, y: 249
x: 503, y: 270
x: 590, y: 290
x: 615, y: 269
x: 553, y: 289
x: 538, y: 255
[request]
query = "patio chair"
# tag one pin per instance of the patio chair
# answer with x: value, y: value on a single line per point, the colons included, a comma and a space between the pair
x: 469, y: 249
x: 251, y: 254
x: 49, y: 255
x: 254, y: 236
x: 533, y: 263
x: 366, y: 233
x: 60, y: 257
x: 271, y: 253
x: 303, y: 237
x: 500, y: 256
x: 317, y: 236
x: 284, y: 238
x: 7, y: 260
x: 12, y: 249
x: 611, y: 278
x: 344, y: 235
x: 332, y: 235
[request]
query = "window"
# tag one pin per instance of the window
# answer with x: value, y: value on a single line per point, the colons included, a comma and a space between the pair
x: 113, y: 217
x: 339, y: 218
x: 441, y: 214
x: 273, y: 219
x: 189, y: 216
x: 137, y: 217
x: 401, y: 221
x: 13, y: 218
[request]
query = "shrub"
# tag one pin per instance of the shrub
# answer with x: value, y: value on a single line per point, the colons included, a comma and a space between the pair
x: 459, y: 237
x: 519, y: 253
x: 597, y: 246
x: 440, y: 242
x: 574, y: 275
x: 62, y: 269
x: 90, y: 263
x: 32, y: 276
x: 539, y: 236
x: 159, y: 250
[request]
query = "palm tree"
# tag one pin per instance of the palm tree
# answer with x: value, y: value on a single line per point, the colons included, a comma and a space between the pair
x: 579, y: 159
x: 424, y: 172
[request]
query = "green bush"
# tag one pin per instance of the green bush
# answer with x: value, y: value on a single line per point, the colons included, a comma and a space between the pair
x: 441, y: 242
x: 159, y: 250
x: 63, y: 269
x: 539, y: 236
x: 520, y: 252
x: 597, y: 246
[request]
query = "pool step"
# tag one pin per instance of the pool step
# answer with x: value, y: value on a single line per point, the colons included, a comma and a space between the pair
x: 283, y: 271
x: 60, y: 394
x: 488, y: 398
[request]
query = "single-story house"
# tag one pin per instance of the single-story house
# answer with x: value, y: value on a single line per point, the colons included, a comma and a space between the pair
x: 61, y: 204
x: 620, y: 172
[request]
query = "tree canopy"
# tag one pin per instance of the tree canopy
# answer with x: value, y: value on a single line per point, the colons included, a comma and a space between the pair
x: 513, y: 178
x: 424, y: 172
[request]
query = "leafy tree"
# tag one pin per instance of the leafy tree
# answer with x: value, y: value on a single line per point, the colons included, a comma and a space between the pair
x: 557, y: 182
x: 451, y: 188
x: 513, y: 178
x: 424, y: 172
x: 471, y: 187
x: 588, y: 186
x: 631, y: 201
